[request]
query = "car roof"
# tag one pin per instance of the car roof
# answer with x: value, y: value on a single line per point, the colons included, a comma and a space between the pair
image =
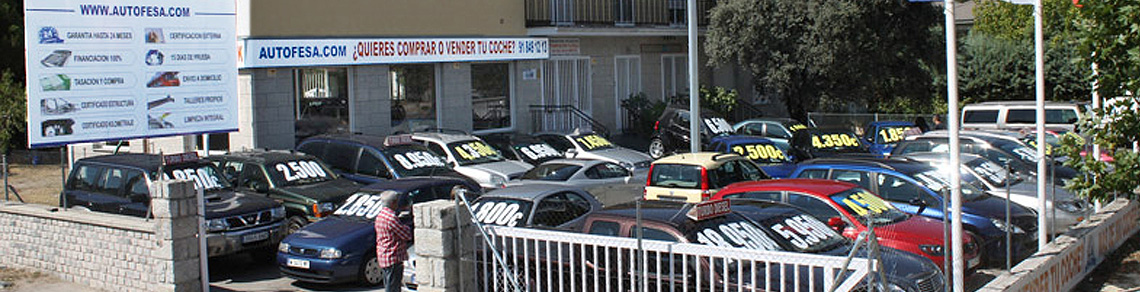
x: 705, y: 159
x: 1019, y: 103
x: 509, y: 138
x: 148, y: 162
x: 445, y: 138
x: 408, y: 184
x: 370, y: 140
x: 675, y: 213
x: 801, y: 185
x: 572, y: 161
x: 900, y: 165
x: 777, y: 120
x: 529, y: 192
x: 739, y: 139
x: 939, y: 156
x: 264, y: 156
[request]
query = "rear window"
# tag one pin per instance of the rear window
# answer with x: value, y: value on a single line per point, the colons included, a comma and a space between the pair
x: 676, y: 176
x: 1052, y: 116
x: 980, y: 117
x: 733, y: 230
x: 414, y: 160
x: 537, y: 151
x: 552, y: 172
x: 501, y: 211
x: 206, y: 176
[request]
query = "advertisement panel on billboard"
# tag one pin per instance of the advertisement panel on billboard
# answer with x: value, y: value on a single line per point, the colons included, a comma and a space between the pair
x: 121, y: 69
x: 261, y: 53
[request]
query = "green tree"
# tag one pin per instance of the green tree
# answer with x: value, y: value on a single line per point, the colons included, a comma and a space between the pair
x: 12, y: 38
x: 829, y: 54
x: 1107, y: 37
x: 13, y: 106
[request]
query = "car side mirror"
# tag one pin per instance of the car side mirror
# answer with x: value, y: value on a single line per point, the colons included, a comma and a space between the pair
x: 836, y: 223
x: 571, y: 153
x: 920, y: 203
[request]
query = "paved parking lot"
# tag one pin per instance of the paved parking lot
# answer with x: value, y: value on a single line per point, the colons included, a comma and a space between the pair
x: 240, y: 273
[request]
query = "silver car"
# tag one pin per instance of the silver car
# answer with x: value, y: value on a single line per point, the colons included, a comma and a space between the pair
x: 1066, y: 212
x: 535, y: 205
x: 473, y: 158
x: 598, y: 177
x: 593, y: 146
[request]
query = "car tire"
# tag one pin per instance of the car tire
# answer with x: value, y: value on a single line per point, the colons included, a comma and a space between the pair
x: 656, y: 148
x: 294, y: 224
x: 370, y: 273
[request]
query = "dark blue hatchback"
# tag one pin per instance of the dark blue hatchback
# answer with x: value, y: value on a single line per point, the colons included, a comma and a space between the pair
x: 768, y: 154
x: 917, y: 188
x: 342, y: 248
x: 882, y: 136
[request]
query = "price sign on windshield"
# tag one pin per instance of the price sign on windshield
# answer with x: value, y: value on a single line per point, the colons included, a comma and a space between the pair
x: 802, y: 231
x: 891, y: 135
x: 298, y: 170
x: 538, y: 151
x: 863, y: 203
x: 837, y: 140
x: 417, y: 159
x: 474, y: 150
x: 718, y: 126
x: 593, y: 141
x: 797, y: 127
x: 764, y: 152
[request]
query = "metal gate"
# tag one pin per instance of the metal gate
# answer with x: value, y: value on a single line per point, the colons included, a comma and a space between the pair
x: 627, y: 82
x: 566, y: 81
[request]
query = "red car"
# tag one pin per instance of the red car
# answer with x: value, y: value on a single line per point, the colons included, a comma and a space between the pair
x: 847, y: 208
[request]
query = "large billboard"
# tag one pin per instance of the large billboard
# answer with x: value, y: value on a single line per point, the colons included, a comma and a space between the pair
x: 262, y: 53
x: 103, y: 70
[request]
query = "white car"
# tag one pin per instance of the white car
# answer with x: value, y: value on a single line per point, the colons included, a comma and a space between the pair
x: 594, y: 146
x: 473, y: 158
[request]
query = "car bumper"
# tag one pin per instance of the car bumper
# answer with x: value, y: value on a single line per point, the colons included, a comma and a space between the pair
x: 324, y: 271
x: 1063, y: 220
x: 231, y: 242
x: 1024, y: 245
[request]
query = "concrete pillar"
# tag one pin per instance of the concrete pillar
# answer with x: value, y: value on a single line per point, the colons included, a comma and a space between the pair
x: 439, y: 245
x: 454, y: 102
x: 175, y: 207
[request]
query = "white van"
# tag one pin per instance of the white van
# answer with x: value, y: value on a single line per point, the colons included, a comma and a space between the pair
x: 1016, y: 115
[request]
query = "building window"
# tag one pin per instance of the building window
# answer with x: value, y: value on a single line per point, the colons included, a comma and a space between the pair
x: 218, y: 142
x: 413, y: 97
x: 674, y: 76
x: 322, y: 102
x: 491, y: 96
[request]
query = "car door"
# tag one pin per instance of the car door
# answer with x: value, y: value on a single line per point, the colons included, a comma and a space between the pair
x: 137, y: 195
x: 678, y: 130
x: 557, y: 209
x: 902, y: 192
x: 110, y: 195
x: 605, y: 173
x: 82, y: 186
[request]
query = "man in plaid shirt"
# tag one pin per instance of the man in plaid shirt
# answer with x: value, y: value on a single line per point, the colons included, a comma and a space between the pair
x: 392, y: 239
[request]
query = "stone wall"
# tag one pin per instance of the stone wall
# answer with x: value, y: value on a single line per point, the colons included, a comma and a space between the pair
x: 105, y: 251
x: 438, y: 248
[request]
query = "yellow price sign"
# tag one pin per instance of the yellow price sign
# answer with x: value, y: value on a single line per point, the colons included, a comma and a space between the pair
x: 891, y: 135
x: 766, y: 152
x: 863, y: 203
x: 797, y: 127
x: 592, y: 142
x: 834, y: 141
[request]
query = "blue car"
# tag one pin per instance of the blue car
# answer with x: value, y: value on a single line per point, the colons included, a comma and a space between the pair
x: 342, y: 248
x: 882, y: 136
x: 367, y: 159
x: 916, y: 188
x: 768, y: 154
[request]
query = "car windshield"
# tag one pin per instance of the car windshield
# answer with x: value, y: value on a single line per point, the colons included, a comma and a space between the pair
x: 591, y: 142
x: 717, y: 126
x: 801, y: 232
x: 794, y: 126
x: 361, y: 206
x: 937, y: 181
x: 414, y: 160
x: 1024, y: 153
x: 474, y: 152
x: 298, y: 172
x: 761, y: 152
x: 891, y: 134
x: 991, y: 172
x: 206, y: 176
x: 501, y: 211
x: 536, y: 151
x: 834, y: 141
x: 552, y: 172
x: 868, y: 208
x: 733, y: 230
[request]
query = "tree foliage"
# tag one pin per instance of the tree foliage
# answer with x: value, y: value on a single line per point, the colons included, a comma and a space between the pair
x: 12, y: 38
x: 1108, y: 37
x: 996, y: 68
x: 13, y: 106
x: 829, y: 54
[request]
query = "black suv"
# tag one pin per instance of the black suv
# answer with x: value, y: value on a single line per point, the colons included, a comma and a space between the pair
x: 671, y: 131
x: 235, y: 222
x: 307, y: 188
x: 369, y: 159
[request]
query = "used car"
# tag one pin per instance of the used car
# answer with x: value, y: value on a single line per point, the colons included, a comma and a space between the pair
x: 523, y: 148
x: 815, y: 143
x: 882, y: 136
x: 606, y: 180
x: 671, y: 131
x: 587, y: 145
x: 779, y: 130
x: 763, y: 151
x: 696, y: 177
x: 367, y: 159
x: 472, y: 157
x: 534, y: 205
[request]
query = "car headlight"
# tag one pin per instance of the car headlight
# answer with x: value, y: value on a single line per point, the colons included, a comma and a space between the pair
x: 277, y: 213
x: 217, y: 225
x: 498, y: 180
x: 283, y: 247
x: 933, y: 249
x: 330, y: 253
x: 1003, y: 226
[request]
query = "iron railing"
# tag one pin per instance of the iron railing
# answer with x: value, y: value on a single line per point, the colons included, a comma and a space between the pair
x: 613, y: 12
x: 564, y: 119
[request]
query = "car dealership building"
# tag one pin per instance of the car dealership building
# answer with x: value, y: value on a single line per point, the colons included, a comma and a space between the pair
x: 382, y: 67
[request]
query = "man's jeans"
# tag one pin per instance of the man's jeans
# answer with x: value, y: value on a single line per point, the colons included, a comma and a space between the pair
x: 393, y: 277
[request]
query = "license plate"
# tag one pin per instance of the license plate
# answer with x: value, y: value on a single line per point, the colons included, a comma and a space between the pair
x: 974, y: 262
x: 295, y: 263
x: 255, y: 237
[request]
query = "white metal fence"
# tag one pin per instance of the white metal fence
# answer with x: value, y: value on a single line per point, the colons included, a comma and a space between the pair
x: 542, y: 260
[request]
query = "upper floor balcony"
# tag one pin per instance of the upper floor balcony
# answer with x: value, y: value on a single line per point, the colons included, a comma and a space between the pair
x: 620, y: 13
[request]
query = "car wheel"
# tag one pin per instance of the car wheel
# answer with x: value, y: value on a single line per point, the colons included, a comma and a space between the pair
x: 370, y: 273
x: 656, y: 148
x: 295, y: 223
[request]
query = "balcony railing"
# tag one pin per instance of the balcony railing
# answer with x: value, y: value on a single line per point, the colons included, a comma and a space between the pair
x: 613, y: 12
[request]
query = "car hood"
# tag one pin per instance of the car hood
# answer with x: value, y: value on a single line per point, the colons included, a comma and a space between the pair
x: 334, y: 232
x: 779, y: 170
x: 620, y: 154
x: 899, y: 267
x: 327, y: 191
x: 915, y: 229
x: 223, y: 204
x: 993, y: 207
x: 506, y: 168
